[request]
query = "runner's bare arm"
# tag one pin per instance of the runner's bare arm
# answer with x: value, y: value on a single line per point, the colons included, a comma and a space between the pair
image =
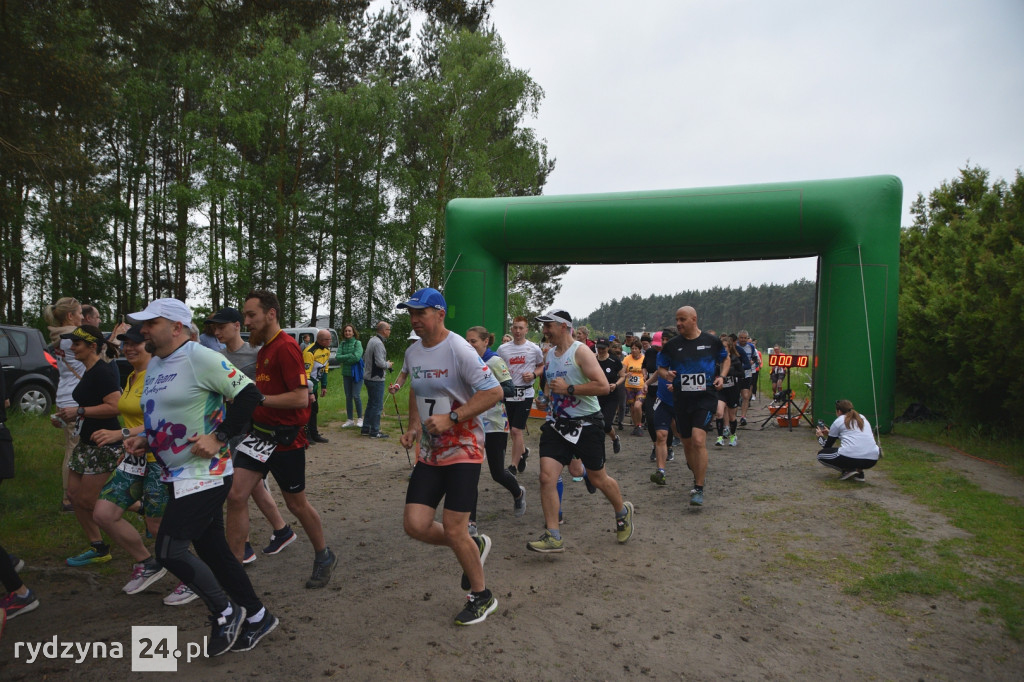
x: 597, y: 384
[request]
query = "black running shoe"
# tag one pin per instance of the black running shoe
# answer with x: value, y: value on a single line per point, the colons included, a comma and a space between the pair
x: 322, y: 571
x: 280, y: 539
x: 224, y: 630
x: 616, y: 445
x: 252, y: 633
x: 590, y: 486
x: 522, y: 460
x: 478, y: 607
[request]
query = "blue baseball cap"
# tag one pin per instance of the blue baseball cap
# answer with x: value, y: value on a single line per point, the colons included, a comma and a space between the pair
x: 426, y: 298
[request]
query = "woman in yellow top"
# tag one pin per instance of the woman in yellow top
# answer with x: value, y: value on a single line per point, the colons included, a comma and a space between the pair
x: 136, y: 479
x: 636, y: 379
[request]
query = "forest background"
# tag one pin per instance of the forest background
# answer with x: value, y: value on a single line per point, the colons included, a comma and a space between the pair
x: 201, y: 148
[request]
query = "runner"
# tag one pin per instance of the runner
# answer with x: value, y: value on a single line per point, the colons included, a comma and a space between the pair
x: 612, y: 368
x: 187, y: 430
x: 227, y: 325
x: 744, y: 345
x: 688, y: 361
x: 495, y: 424
x: 729, y: 396
x: 662, y: 414
x: 573, y: 429
x: 525, y: 361
x: 635, y: 382
x: 136, y: 479
x: 450, y: 386
x: 277, y: 442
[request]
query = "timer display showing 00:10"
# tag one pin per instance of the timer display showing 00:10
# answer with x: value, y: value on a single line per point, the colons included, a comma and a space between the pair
x: 784, y: 360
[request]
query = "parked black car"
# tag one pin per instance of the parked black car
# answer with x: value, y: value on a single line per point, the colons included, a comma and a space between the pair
x: 30, y: 373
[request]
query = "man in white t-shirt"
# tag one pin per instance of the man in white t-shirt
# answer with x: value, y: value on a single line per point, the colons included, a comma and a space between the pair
x: 449, y: 387
x: 525, y: 361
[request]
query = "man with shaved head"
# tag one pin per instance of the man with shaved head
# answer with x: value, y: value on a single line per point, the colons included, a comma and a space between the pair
x: 690, y: 363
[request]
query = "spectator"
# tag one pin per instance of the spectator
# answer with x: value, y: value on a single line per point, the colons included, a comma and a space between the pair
x: 375, y: 359
x: 63, y: 317
x: 209, y: 339
x: 350, y: 352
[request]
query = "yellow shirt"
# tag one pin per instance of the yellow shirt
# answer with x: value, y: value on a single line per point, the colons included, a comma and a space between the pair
x: 634, y: 371
x: 130, y: 404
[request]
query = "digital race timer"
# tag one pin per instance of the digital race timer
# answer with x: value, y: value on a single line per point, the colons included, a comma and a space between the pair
x: 786, y: 360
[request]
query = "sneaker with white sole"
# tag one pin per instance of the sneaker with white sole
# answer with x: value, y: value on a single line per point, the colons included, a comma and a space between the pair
x: 478, y: 607
x: 732, y: 440
x: 14, y: 604
x: 250, y: 554
x: 252, y: 633
x: 280, y: 539
x: 483, y: 543
x: 720, y: 441
x: 181, y: 595
x: 142, y: 577
x: 224, y: 630
x: 350, y: 422
x: 624, y: 525
x: 519, y: 504
x: 359, y: 422
x: 547, y: 544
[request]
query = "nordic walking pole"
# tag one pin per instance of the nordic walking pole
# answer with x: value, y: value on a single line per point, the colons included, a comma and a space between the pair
x: 401, y: 428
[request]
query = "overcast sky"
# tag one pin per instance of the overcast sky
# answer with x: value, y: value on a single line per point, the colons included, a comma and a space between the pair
x: 663, y: 94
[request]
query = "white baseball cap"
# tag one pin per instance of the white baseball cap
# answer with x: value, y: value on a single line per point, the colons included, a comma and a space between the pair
x: 168, y: 308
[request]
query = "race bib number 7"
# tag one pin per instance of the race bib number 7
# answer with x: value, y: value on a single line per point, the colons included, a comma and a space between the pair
x: 257, y: 448
x: 428, y: 407
x: 693, y: 382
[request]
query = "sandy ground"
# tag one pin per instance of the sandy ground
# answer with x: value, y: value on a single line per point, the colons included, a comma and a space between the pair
x: 735, y: 589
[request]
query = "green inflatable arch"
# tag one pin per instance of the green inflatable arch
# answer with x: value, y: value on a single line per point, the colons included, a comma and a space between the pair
x: 851, y: 225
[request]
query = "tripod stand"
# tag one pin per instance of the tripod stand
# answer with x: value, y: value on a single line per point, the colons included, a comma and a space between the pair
x: 790, y: 406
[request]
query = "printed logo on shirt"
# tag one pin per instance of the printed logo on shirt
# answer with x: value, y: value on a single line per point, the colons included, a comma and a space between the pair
x: 517, y: 360
x: 419, y: 372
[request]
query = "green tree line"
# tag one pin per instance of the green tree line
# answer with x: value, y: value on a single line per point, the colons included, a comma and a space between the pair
x: 767, y: 311
x: 200, y: 148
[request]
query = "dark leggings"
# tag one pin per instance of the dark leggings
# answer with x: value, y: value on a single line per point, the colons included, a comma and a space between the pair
x: 215, y: 566
x: 7, y: 573
x: 494, y: 446
x: 649, y: 400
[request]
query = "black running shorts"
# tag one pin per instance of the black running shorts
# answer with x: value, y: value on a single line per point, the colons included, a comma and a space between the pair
x: 517, y: 411
x: 288, y: 468
x: 456, y: 483
x: 589, y: 448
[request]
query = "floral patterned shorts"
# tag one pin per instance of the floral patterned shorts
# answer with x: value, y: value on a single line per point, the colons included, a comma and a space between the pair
x: 94, y: 459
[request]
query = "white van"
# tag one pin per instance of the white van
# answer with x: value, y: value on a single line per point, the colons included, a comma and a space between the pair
x: 306, y: 335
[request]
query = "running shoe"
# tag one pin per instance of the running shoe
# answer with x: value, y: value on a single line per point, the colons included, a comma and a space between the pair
x: 89, y: 556
x: 654, y: 454
x: 732, y: 441
x: 859, y: 478
x: 658, y: 477
x: 720, y: 441
x: 519, y: 505
x: 590, y: 486
x: 15, y: 604
x: 379, y: 434
x: 350, y: 422
x: 512, y: 469
x: 522, y: 460
x: 547, y: 544
x: 577, y: 479
x: 322, y: 571
x: 316, y: 438
x: 743, y: 421
x: 726, y: 432
x: 224, y: 630
x: 848, y: 475
x: 252, y: 633
x: 696, y: 498
x: 250, y: 554
x: 143, y: 577
x: 477, y: 609
x: 676, y: 442
x: 17, y: 562
x: 637, y: 431
x: 359, y: 422
x: 624, y: 526
x: 280, y: 539
x: 483, y: 543
x: 616, y: 445
x: 181, y: 595
x: 671, y: 455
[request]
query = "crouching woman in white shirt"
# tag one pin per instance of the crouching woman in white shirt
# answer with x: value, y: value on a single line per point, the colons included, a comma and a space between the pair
x: 857, y: 449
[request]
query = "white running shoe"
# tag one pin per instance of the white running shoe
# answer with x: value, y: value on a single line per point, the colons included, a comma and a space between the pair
x: 350, y: 422
x: 182, y: 595
x: 142, y: 578
x: 359, y: 422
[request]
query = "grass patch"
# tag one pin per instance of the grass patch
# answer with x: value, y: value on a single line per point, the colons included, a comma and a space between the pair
x: 979, y: 440
x: 986, y: 566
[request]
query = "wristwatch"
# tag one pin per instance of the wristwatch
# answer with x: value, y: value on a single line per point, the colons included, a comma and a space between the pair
x: 81, y: 412
x: 125, y: 434
x: 221, y: 436
x: 454, y: 416
x: 570, y: 389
